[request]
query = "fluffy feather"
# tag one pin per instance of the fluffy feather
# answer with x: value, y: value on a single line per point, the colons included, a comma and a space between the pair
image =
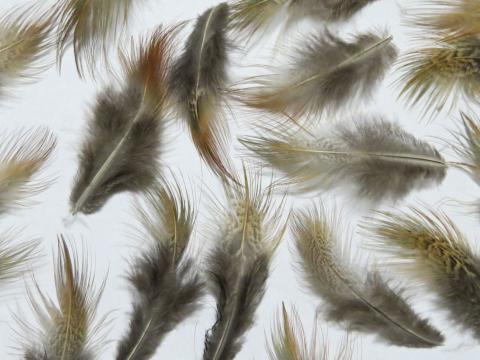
x: 377, y: 157
x: 468, y: 146
x: 23, y: 156
x: 238, y: 265
x: 369, y: 305
x: 432, y: 249
x: 325, y: 74
x: 165, y: 283
x: 90, y: 26
x: 197, y: 81
x: 67, y: 329
x: 124, y: 139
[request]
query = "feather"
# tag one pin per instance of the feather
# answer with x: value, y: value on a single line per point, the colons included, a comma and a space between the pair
x: 369, y: 305
x: 377, y: 157
x: 468, y: 146
x: 124, y: 137
x: 197, y: 80
x: 288, y: 341
x: 238, y: 265
x: 165, y: 283
x: 67, y: 329
x: 325, y: 74
x: 441, y: 74
x: 429, y: 246
x: 90, y: 26
x: 23, y: 156
x: 25, y: 42
x: 250, y: 16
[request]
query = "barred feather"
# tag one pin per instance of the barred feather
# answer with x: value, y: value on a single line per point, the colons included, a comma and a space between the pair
x: 165, y: 283
x: 377, y: 157
x: 367, y: 304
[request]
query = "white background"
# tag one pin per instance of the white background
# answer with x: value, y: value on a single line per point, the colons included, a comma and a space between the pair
x: 61, y: 102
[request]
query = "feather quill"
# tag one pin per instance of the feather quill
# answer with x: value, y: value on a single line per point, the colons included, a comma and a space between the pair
x: 325, y: 74
x: 238, y: 265
x: 429, y: 246
x: 67, y: 329
x: 198, y: 80
x: 369, y: 305
x: 124, y: 139
x: 165, y: 283
x: 23, y: 156
x: 377, y: 157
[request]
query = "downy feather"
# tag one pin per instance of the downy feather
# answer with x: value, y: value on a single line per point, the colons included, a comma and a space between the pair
x: 123, y: 144
x: 238, y: 265
x: 198, y: 81
x: 325, y: 74
x: 67, y: 330
x: 165, y: 283
x: 429, y: 247
x: 23, y: 156
x: 369, y: 305
x: 378, y: 158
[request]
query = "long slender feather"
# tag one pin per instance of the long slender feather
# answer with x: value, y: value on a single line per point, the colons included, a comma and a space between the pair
x: 369, y: 305
x: 238, y: 265
x: 377, y: 157
x: 23, y: 156
x: 165, y: 283
x: 325, y: 73
x: 67, y: 329
x: 124, y: 139
x: 429, y: 247
x: 198, y: 80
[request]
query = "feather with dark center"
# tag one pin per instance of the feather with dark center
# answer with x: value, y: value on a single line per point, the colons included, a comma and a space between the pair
x: 124, y: 139
x: 377, y: 157
x: 429, y: 246
x: 369, y: 305
x: 325, y: 74
x: 238, y: 265
x: 198, y: 80
x: 165, y: 283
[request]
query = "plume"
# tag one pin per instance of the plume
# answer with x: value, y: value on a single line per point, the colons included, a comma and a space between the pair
x: 23, y: 156
x: 441, y: 74
x: 377, y: 157
x: 90, y: 26
x: 25, y: 41
x: 67, y: 329
x: 468, y: 146
x: 197, y: 81
x: 123, y: 144
x: 165, y: 283
x: 429, y: 246
x: 288, y: 341
x: 250, y: 16
x: 238, y: 264
x: 369, y: 305
x: 325, y: 74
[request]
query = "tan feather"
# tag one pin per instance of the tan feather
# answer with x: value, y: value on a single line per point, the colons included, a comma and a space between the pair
x: 468, y: 146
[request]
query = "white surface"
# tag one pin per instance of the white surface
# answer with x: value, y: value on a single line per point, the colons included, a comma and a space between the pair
x: 62, y: 102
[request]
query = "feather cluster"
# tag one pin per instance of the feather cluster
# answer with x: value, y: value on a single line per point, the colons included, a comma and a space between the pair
x: 432, y: 249
x: 124, y: 139
x: 165, y: 283
x: 238, y: 264
x: 369, y: 305
x: 378, y: 158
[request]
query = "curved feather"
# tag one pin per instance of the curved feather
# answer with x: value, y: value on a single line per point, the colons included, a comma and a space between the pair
x: 123, y: 144
x: 369, y: 304
x: 377, y: 157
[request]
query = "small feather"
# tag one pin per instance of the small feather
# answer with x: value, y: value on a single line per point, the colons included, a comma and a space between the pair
x: 238, y: 265
x: 377, y: 157
x: 165, y: 283
x: 369, y: 305
x: 123, y: 144
x: 197, y: 81
x: 325, y: 74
